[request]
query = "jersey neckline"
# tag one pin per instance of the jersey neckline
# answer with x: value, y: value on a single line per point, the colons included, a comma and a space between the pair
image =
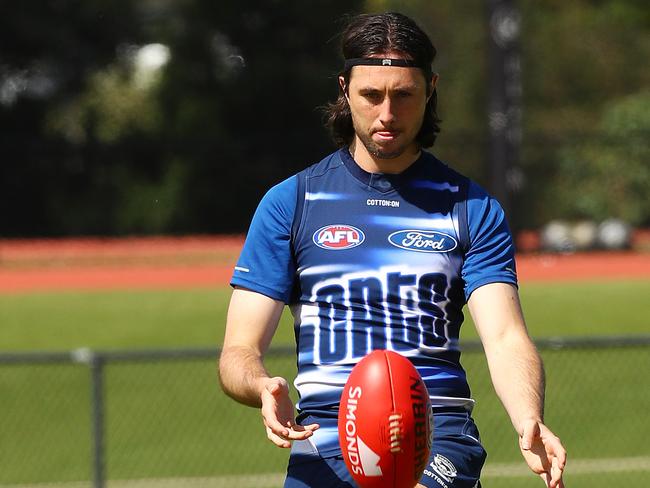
x: 382, y: 182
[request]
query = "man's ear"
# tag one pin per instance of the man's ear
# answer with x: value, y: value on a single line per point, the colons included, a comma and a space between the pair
x: 343, y: 86
x: 432, y: 85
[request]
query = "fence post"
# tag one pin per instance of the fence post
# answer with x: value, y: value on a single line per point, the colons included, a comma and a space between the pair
x: 95, y: 362
x: 97, y: 372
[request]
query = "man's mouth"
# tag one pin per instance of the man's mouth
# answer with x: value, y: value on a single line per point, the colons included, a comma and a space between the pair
x: 386, y: 135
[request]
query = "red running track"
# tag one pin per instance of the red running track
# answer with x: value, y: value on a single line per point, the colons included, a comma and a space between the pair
x: 105, y: 264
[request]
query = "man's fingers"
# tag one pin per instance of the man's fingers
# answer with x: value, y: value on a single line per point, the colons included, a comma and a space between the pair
x: 283, y: 438
x: 277, y: 413
x: 276, y: 439
x: 270, y: 401
x: 291, y: 431
x: 271, y: 421
x: 557, y: 453
x: 561, y: 455
x: 300, y: 428
x: 274, y: 425
x: 311, y: 427
x: 556, y: 472
x: 299, y: 432
x: 529, y: 431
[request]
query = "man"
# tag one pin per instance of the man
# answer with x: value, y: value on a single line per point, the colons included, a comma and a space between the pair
x: 379, y: 246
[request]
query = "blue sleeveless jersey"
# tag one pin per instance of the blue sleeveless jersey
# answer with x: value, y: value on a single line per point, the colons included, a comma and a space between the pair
x: 375, y: 261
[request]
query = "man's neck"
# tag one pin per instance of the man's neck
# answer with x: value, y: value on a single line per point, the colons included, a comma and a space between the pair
x: 373, y: 164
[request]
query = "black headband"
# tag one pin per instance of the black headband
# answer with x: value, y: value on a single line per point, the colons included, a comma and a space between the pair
x: 402, y: 63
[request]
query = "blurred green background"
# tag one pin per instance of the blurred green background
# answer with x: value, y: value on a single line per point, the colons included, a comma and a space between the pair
x: 126, y: 117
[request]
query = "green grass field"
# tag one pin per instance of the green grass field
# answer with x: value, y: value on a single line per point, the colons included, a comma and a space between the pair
x: 169, y: 419
x: 182, y: 318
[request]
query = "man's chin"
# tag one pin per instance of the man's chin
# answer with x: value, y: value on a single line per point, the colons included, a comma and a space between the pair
x: 386, y: 155
x: 385, y: 152
x: 387, y: 149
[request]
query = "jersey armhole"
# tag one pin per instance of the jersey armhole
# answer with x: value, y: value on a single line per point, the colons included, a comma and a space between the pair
x: 296, y: 224
x: 301, y: 188
x: 460, y: 209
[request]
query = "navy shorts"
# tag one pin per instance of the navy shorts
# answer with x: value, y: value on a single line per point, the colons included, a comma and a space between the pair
x: 456, y: 460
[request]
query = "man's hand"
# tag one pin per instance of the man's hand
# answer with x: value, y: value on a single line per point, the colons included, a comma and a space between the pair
x: 543, y: 452
x: 278, y: 414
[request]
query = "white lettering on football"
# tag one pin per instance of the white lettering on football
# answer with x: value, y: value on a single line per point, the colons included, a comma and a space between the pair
x: 369, y: 459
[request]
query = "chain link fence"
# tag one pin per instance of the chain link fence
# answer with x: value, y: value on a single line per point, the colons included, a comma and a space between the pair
x: 156, y: 419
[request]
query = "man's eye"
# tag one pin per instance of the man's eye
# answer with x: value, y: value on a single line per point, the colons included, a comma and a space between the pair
x: 372, y: 96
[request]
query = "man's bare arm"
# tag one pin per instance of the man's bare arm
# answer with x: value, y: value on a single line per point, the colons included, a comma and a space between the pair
x: 518, y: 376
x: 252, y: 321
x: 515, y: 366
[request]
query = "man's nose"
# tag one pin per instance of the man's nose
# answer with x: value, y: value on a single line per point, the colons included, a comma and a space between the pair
x: 387, y: 112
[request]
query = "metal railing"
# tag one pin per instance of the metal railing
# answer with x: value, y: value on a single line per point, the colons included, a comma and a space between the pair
x: 236, y: 425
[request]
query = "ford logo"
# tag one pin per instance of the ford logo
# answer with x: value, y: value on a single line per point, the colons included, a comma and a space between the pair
x: 423, y: 240
x: 337, y: 237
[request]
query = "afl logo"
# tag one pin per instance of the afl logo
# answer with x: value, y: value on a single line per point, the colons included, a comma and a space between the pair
x: 337, y: 237
x: 423, y: 241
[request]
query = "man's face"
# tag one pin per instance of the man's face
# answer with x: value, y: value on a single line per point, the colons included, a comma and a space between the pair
x: 387, y: 105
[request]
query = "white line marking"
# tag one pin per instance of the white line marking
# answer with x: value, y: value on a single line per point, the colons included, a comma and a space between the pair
x: 273, y: 480
x: 574, y: 466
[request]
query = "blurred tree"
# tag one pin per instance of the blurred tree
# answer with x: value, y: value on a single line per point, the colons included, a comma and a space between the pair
x: 240, y: 100
x: 87, y: 149
x: 609, y: 176
x: 89, y: 146
x: 579, y: 57
x: 51, y: 184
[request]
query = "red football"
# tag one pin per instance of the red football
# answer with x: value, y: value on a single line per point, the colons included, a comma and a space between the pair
x: 385, y: 422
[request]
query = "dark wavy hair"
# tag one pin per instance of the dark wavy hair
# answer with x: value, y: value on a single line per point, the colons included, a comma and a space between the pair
x: 375, y: 34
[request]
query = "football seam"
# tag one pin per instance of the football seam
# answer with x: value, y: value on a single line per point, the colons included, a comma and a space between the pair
x: 390, y: 379
x: 392, y: 399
